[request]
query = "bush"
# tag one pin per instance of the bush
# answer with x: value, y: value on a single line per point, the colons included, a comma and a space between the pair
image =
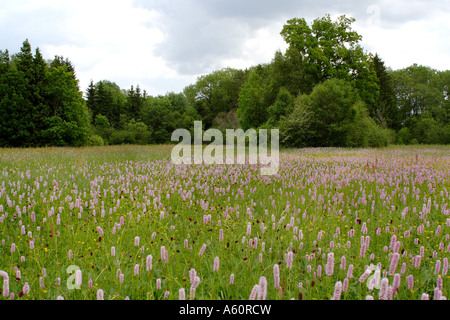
x: 403, y: 136
x: 95, y: 140
x: 446, y: 134
x: 427, y: 130
x: 122, y: 137
x: 364, y: 131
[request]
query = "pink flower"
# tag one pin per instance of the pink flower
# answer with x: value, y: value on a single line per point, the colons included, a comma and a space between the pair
x: 216, y: 264
x: 437, y: 267
x: 163, y: 252
x: 343, y: 263
x: 232, y: 278
x: 365, y: 275
x: 445, y: 267
x: 202, y: 249
x: 276, y: 275
x: 362, y: 251
x: 262, y: 288
x: 396, y: 283
x: 158, y: 284
x: 100, y: 294
x: 289, y: 260
x: 196, y: 282
x: 181, y: 294
x: 254, y: 292
x: 194, y: 286
x: 329, y: 267
x: 384, y: 289
x: 136, y: 241
x: 192, y: 274
x: 410, y: 280
x: 78, y: 278
x: 5, y: 277
x: 394, y: 262
x: 345, y: 285
x: 148, y: 262
x: 337, y: 291
x: 350, y: 271
x: 26, y: 288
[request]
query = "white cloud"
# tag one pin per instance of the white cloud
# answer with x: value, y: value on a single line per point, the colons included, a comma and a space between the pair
x: 421, y: 41
x: 260, y: 48
x: 164, y: 45
x: 112, y: 40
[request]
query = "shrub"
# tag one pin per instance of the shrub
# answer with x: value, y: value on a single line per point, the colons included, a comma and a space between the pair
x: 403, y: 136
x: 95, y: 140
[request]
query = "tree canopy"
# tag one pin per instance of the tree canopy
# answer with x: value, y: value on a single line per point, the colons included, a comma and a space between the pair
x: 324, y: 90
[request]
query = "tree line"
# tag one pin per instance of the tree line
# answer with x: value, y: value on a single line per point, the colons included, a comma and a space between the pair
x: 324, y: 91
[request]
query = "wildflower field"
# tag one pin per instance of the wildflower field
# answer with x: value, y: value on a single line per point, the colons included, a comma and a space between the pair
x: 124, y: 222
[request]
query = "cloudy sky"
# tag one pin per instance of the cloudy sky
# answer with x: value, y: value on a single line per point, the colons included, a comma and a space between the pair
x: 164, y: 45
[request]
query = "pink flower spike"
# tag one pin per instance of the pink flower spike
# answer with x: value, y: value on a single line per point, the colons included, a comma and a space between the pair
x: 262, y: 288
x: 100, y: 294
x: 148, y: 263
x: 136, y: 241
x: 202, y: 250
x: 216, y: 264
x: 254, y: 292
x: 337, y: 291
x: 182, y: 294
x: 276, y: 275
x: 78, y: 278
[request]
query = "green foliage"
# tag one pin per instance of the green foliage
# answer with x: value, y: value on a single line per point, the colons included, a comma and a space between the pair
x: 332, y: 104
x: 427, y: 130
x: 95, y: 140
x: 16, y: 124
x: 215, y: 93
x: 365, y: 132
x: 324, y: 91
x: 226, y: 120
x: 106, y: 98
x: 295, y: 129
x: 384, y: 110
x: 252, y: 111
x: 403, y: 136
x: 283, y: 106
x: 40, y: 104
x: 102, y: 127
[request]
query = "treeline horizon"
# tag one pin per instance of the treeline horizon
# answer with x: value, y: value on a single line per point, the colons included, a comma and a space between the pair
x: 324, y: 91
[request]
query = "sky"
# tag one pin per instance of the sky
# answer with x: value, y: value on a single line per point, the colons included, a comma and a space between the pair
x: 165, y: 45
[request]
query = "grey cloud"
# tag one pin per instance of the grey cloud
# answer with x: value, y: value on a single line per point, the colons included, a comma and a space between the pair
x: 201, y: 33
x: 40, y: 26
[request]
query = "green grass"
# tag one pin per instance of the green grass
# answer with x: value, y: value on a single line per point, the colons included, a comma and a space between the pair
x: 324, y: 187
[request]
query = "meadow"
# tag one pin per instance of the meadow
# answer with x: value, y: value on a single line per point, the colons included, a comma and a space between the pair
x: 123, y: 222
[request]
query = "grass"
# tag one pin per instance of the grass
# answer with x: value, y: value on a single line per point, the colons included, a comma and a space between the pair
x: 134, y: 191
